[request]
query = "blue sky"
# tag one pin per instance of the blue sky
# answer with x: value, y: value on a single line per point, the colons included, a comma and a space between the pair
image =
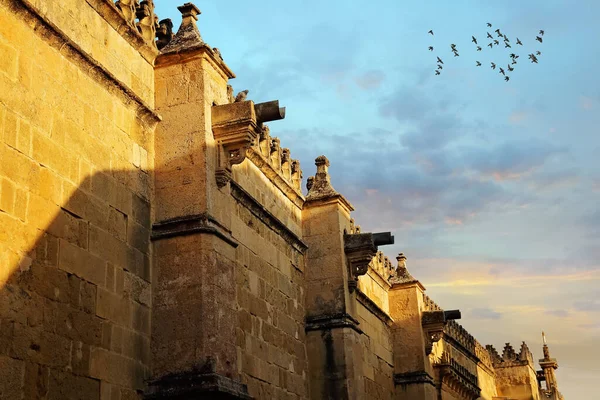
x: 491, y: 188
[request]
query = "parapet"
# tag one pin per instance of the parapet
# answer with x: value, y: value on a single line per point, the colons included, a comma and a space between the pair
x: 510, y: 358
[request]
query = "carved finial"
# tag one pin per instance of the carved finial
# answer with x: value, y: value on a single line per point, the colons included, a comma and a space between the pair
x: 508, y: 354
x: 352, y: 226
x: 544, y: 337
x: 322, y: 183
x: 147, y: 21
x: 241, y: 96
x: 128, y: 9
x: 187, y: 36
x: 230, y: 96
x: 164, y: 33
x: 189, y: 13
x: 296, y: 175
x: 309, y: 182
x: 357, y: 229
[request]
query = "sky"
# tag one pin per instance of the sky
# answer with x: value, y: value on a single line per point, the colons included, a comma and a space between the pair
x: 491, y: 188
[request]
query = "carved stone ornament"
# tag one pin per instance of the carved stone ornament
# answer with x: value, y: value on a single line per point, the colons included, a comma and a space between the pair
x: 148, y: 23
x: 235, y: 129
x: 360, y: 250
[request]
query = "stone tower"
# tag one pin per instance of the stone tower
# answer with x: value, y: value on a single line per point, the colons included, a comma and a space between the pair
x: 546, y: 374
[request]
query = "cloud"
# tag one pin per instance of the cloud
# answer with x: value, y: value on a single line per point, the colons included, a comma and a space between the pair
x: 587, y: 103
x: 558, y: 313
x: 370, y: 80
x: 512, y: 159
x: 485, y: 313
x: 516, y: 117
x: 588, y: 305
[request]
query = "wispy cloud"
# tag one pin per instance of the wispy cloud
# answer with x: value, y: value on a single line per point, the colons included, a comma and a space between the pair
x: 484, y: 313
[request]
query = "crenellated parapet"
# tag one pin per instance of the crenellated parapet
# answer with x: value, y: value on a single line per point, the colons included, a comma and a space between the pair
x: 429, y: 304
x: 510, y: 357
x: 140, y: 16
x: 455, y: 331
x: 276, y: 162
x: 382, y: 266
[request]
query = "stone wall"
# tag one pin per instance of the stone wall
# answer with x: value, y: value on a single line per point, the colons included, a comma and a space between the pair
x: 76, y: 151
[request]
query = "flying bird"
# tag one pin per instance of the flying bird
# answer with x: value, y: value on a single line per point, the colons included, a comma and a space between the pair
x: 478, y: 48
x: 513, y: 55
x: 539, y: 39
x: 506, y: 78
x: 489, y: 36
x: 489, y: 25
x: 519, y: 42
x: 497, y: 31
x: 456, y: 54
x: 496, y: 42
x: 539, y: 53
x: 478, y: 64
x: 541, y: 33
x: 439, y: 67
x: 430, y: 32
x: 452, y: 46
x: 430, y: 48
x: 493, y: 66
x: 511, y: 69
x: 507, y: 46
x: 491, y: 44
x: 502, y: 71
x: 514, y: 62
x: 440, y: 60
x: 473, y: 39
x: 437, y: 72
x: 506, y: 38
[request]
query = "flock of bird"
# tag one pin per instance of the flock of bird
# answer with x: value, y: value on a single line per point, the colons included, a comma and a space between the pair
x: 493, y: 41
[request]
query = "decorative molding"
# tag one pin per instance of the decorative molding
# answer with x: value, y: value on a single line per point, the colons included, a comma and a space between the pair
x: 246, y: 199
x: 325, y: 322
x: 415, y: 377
x: 373, y: 308
x: 57, y: 39
x: 188, y: 225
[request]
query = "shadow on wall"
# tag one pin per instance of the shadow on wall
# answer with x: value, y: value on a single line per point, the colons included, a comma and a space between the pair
x: 75, y: 308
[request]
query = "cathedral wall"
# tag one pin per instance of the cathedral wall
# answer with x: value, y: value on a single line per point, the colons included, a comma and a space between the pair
x: 270, y: 289
x: 377, y: 357
x: 75, y: 188
x: 517, y: 382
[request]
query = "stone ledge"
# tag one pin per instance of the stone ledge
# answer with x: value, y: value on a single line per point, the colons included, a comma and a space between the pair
x: 194, y: 385
x: 202, y: 223
x: 415, y: 377
x: 57, y: 39
x: 326, y: 322
x: 246, y: 199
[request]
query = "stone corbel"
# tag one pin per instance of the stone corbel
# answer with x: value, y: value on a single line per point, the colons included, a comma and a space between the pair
x: 433, y: 323
x: 235, y: 129
x: 360, y: 248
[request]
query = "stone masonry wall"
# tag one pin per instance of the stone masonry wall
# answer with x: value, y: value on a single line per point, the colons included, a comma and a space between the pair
x: 270, y: 291
x: 75, y: 188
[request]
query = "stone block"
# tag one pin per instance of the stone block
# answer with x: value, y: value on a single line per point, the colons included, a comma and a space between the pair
x: 8, y: 193
x: 65, y: 385
x: 80, y: 262
x: 9, y: 60
x: 113, y: 307
x: 36, y: 381
x: 114, y: 368
x: 12, y: 373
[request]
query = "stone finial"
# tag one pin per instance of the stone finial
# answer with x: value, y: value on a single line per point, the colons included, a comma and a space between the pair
x: 310, y: 181
x: 296, y: 175
x: 128, y: 9
x: 276, y: 154
x: 230, y: 96
x: 264, y: 141
x: 147, y: 21
x: 188, y: 36
x: 241, y: 96
x: 524, y: 354
x: 164, y: 33
x: 322, y: 184
x: 401, y: 275
x: 401, y: 258
x: 352, y: 226
x: 357, y: 229
x: 189, y: 13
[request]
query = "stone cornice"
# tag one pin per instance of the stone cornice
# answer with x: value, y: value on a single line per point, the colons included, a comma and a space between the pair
x: 246, y: 199
x: 57, y: 39
x: 414, y: 377
x: 373, y: 308
x: 326, y: 322
x: 201, y: 51
x: 188, y: 225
